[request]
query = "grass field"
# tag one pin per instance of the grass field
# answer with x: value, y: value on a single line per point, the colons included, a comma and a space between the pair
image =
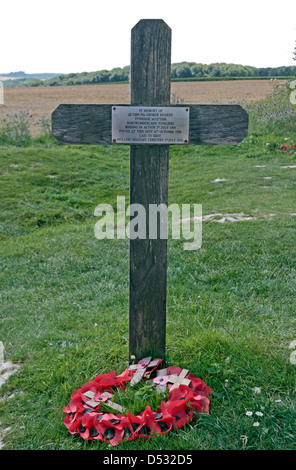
x: 231, y: 304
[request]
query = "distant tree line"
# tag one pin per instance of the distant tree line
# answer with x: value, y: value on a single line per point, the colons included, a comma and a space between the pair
x: 194, y: 70
x: 182, y: 70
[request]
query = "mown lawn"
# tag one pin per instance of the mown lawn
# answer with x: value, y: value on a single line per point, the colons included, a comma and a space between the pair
x: 231, y: 304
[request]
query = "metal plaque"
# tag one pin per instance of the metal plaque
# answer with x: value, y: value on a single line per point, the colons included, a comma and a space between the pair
x: 150, y: 125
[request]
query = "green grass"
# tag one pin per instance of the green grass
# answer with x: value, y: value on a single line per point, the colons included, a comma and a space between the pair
x: 133, y: 397
x: 230, y: 305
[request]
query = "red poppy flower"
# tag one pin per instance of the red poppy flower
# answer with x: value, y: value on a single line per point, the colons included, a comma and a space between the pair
x: 148, y: 423
x: 181, y: 393
x: 161, y: 380
x: 199, y: 385
x: 114, y: 428
x: 164, y: 418
x: 86, y: 427
x: 107, y: 381
x: 90, y: 423
x: 135, y: 421
x: 75, y: 401
x: 83, y: 410
x: 100, y: 397
x: 144, y: 362
x: 150, y: 365
x: 69, y: 419
x: 200, y: 403
x: 174, y: 370
x: 124, y: 377
x: 179, y: 412
x: 88, y: 386
x: 284, y: 147
x: 77, y: 428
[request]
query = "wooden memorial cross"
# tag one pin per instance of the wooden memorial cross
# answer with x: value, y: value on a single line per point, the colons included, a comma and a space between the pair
x: 141, y: 368
x: 105, y: 397
x: 162, y: 379
x: 149, y: 125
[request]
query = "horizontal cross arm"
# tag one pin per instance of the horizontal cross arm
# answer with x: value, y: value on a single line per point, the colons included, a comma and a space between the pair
x: 92, y: 124
x: 217, y: 124
x: 82, y: 124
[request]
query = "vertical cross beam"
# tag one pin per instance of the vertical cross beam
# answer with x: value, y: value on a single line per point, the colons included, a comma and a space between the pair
x: 149, y: 164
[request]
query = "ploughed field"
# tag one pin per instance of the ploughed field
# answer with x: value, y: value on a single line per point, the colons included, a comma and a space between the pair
x: 41, y: 101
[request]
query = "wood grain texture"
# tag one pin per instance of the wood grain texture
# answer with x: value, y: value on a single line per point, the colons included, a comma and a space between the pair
x: 149, y: 168
x: 151, y: 63
x: 148, y: 258
x: 90, y: 124
x: 217, y: 124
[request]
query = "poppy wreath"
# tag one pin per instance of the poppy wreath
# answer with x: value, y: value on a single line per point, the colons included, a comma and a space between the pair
x: 90, y: 422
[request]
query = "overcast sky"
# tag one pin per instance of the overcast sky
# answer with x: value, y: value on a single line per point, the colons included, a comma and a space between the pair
x: 66, y: 36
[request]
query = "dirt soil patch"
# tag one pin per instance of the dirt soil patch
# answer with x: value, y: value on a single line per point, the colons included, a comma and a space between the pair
x: 41, y: 101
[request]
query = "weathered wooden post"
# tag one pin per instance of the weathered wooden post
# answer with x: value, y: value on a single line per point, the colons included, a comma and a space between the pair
x: 149, y: 171
x: 149, y: 125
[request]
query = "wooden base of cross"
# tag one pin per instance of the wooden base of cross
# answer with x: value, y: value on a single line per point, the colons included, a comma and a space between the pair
x: 149, y: 127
